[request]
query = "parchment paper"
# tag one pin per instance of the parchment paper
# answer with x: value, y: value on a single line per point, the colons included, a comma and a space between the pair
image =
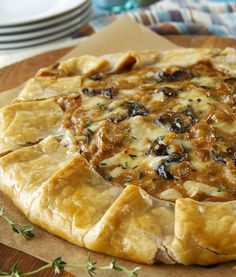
x: 122, y: 35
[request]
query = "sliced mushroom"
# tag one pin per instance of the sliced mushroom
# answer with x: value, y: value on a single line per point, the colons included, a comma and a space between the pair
x: 177, y: 75
x: 178, y: 122
x: 163, y: 169
x: 106, y: 92
x: 136, y: 109
x: 219, y: 157
x: 176, y: 154
x: 129, y: 109
x: 219, y: 154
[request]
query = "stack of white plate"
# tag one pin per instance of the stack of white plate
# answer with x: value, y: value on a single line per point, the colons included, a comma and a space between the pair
x: 25, y: 23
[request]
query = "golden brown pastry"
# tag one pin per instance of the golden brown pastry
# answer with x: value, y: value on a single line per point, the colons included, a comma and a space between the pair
x: 75, y: 198
x: 204, y: 232
x: 134, y: 228
x: 24, y: 123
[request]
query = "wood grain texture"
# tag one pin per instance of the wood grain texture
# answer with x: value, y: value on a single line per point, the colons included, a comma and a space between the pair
x: 13, y: 75
x: 9, y: 256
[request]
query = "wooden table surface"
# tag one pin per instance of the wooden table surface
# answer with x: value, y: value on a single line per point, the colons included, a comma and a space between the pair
x: 13, y: 75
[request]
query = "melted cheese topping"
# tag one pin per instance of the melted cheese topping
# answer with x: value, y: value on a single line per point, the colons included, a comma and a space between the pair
x: 144, y: 132
x: 200, y: 102
x: 159, y: 134
x: 193, y: 188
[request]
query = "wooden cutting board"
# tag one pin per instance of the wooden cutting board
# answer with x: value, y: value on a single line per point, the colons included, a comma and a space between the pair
x: 13, y: 75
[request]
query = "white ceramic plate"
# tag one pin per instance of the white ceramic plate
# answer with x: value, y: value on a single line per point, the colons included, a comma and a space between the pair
x: 15, y: 12
x: 48, y: 31
x: 29, y: 43
x: 45, y: 23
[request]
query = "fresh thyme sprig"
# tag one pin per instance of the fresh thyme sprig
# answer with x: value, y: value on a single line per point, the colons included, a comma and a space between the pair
x: 27, y: 232
x: 58, y: 265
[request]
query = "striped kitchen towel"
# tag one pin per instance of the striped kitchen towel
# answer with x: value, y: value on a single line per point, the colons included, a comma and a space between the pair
x: 171, y: 17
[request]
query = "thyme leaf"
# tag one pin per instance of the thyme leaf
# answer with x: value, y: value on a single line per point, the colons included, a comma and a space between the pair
x: 58, y: 265
x: 27, y: 232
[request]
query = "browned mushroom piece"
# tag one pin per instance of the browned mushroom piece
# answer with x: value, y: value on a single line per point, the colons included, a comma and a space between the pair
x: 178, y: 122
x: 105, y: 92
x: 177, y: 75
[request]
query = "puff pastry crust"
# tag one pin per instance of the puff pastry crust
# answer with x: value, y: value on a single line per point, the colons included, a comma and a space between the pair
x: 23, y: 123
x: 75, y: 198
x: 82, y: 162
x: 204, y: 232
x: 135, y: 228
x: 25, y: 170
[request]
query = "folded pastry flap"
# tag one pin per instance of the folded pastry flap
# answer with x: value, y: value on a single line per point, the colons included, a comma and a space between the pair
x: 83, y: 65
x: 42, y: 87
x: 29, y: 122
x: 112, y: 63
x: 23, y: 171
x: 53, y: 80
x: 74, y: 198
x: 133, y: 228
x: 204, y: 232
x: 67, y: 77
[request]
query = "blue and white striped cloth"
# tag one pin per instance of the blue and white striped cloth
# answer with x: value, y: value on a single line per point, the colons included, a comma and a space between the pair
x: 194, y: 17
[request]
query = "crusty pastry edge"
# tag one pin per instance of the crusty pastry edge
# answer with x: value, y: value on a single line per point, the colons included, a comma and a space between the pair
x: 88, y: 65
x: 111, y: 63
